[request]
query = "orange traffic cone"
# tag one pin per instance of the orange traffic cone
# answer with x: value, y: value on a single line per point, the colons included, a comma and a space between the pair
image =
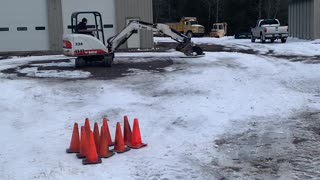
x: 75, y: 140
x: 108, y: 136
x: 127, y: 131
x: 136, y: 142
x: 87, y: 126
x: 83, y: 144
x: 96, y: 136
x: 104, y: 145
x: 92, y: 156
x: 119, y: 145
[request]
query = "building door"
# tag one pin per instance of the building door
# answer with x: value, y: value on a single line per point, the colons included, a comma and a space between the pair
x: 24, y: 25
x: 134, y: 40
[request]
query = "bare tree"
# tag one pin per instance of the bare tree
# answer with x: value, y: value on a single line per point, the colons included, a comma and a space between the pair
x: 158, y: 9
x: 272, y: 8
x: 269, y: 8
x: 260, y: 9
x: 169, y: 10
x: 277, y: 4
x: 210, y: 8
x: 162, y: 10
x: 217, y: 16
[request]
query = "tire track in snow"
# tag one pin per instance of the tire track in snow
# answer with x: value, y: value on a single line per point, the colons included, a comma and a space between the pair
x: 277, y: 149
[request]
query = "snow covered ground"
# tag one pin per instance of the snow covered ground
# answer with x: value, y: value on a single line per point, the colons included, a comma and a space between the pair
x: 225, y: 115
x: 293, y: 46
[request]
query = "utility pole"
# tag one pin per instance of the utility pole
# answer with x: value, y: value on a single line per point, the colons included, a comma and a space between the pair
x: 217, y: 17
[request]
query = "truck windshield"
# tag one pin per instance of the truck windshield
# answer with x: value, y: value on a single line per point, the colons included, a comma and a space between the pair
x: 269, y: 22
x: 193, y: 22
x: 217, y: 27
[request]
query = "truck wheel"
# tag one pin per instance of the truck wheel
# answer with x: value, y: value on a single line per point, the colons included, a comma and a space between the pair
x: 263, y: 40
x: 272, y: 40
x: 80, y: 62
x: 253, y: 39
x: 189, y: 34
x: 283, y: 40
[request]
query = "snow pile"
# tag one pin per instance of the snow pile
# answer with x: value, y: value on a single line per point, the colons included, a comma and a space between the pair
x: 34, y: 72
x: 18, y: 61
x: 293, y: 46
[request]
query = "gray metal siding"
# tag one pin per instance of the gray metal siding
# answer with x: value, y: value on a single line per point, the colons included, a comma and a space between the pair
x: 304, y: 19
x: 300, y: 16
x: 316, y: 19
x: 135, y: 9
x: 289, y: 19
x: 55, y: 26
x: 312, y: 20
x: 308, y: 22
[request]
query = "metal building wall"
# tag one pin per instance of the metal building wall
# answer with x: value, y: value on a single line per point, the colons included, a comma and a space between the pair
x: 135, y: 9
x: 55, y: 25
x: 316, y: 19
x: 304, y: 19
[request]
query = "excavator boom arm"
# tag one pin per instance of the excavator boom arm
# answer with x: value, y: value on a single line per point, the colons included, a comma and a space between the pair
x: 185, y: 44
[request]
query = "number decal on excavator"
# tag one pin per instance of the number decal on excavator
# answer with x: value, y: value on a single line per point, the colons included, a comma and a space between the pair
x: 79, y: 43
x: 79, y: 51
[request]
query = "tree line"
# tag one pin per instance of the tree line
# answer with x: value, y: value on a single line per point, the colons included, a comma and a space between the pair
x: 240, y: 15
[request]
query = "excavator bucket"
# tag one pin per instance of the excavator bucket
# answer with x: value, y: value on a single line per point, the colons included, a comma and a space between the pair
x: 189, y: 49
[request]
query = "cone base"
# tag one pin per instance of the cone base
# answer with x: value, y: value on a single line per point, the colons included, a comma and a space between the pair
x: 80, y: 156
x: 125, y: 150
x: 111, y: 153
x: 112, y: 144
x: 86, y: 162
x: 138, y: 146
x: 71, y: 151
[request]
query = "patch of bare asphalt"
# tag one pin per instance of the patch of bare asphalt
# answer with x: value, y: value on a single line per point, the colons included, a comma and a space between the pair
x: 119, y: 69
x: 276, y: 149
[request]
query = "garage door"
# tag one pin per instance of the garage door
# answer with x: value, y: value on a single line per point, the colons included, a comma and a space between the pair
x: 23, y: 25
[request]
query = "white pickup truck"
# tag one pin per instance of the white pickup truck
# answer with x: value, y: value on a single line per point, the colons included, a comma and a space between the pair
x: 269, y: 29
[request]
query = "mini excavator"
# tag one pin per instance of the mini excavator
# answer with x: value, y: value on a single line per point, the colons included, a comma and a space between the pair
x: 87, y: 48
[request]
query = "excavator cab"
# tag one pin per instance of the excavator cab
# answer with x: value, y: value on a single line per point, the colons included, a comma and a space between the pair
x: 84, y: 46
x: 97, y: 27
